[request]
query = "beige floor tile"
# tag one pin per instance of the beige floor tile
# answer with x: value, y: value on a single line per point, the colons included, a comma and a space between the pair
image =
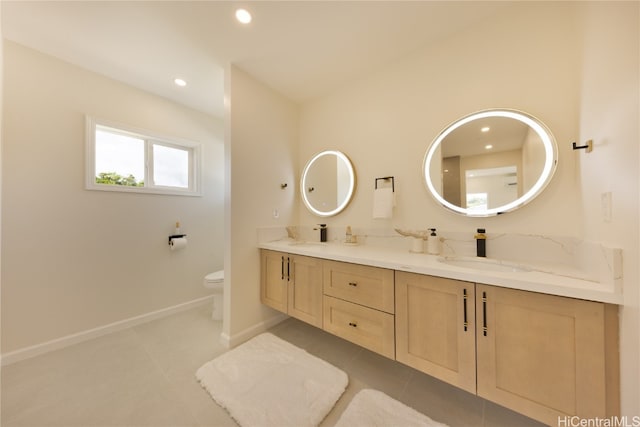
x: 341, y: 405
x: 381, y: 373
x: 108, y: 381
x: 145, y: 376
x: 443, y: 402
x: 74, y: 378
x: 204, y: 409
x: 338, y: 352
x: 499, y: 416
x: 179, y: 345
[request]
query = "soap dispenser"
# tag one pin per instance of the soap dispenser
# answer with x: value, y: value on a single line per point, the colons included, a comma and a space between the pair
x: 433, y: 243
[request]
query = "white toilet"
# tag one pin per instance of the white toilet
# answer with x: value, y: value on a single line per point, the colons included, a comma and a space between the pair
x: 215, y: 281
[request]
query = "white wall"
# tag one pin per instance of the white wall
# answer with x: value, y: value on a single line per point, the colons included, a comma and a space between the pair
x: 386, y: 121
x: 576, y: 72
x: 610, y: 115
x: 261, y: 153
x: 75, y: 259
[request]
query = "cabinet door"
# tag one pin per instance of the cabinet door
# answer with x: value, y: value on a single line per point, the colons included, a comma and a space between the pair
x: 435, y: 327
x: 273, y: 279
x: 545, y: 356
x: 305, y: 289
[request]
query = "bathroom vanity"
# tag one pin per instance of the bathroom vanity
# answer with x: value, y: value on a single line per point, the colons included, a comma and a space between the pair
x: 292, y: 284
x: 540, y: 338
x: 540, y: 344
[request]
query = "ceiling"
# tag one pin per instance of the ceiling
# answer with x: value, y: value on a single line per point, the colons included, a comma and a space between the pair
x: 302, y: 49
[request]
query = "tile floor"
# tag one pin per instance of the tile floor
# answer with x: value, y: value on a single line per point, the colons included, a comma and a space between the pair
x: 144, y: 376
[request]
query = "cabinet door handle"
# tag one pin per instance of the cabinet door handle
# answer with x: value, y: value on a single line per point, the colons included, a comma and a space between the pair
x: 353, y: 324
x: 464, y: 309
x: 354, y: 284
x: 288, y: 269
x: 282, y: 268
x: 484, y: 314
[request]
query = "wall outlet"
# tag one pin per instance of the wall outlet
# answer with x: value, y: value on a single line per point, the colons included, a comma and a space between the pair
x: 605, y: 203
x: 276, y: 214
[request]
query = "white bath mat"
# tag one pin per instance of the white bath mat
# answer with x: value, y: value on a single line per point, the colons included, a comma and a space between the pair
x: 372, y: 408
x: 269, y: 382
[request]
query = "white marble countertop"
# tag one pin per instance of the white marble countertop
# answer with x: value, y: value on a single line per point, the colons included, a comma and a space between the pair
x: 535, y: 280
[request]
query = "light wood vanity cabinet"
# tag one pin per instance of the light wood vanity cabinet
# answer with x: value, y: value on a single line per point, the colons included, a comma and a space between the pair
x: 542, y: 355
x: 547, y: 356
x: 273, y: 280
x: 292, y: 284
x: 359, y: 305
x: 435, y: 327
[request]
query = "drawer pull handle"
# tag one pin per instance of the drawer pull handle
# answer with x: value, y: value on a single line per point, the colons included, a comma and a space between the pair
x: 484, y: 314
x: 464, y: 303
x: 353, y: 324
x: 354, y: 284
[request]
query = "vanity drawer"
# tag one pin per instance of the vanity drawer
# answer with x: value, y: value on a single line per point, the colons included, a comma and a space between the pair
x: 369, y: 328
x: 369, y: 286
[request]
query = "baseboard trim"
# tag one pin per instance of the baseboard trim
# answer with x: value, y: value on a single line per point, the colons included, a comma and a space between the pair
x: 246, y: 334
x: 66, y: 341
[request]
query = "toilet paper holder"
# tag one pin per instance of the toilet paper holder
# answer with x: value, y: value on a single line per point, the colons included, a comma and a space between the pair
x: 175, y: 236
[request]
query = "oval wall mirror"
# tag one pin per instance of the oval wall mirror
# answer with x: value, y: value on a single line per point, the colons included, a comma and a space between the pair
x: 490, y: 162
x: 328, y: 183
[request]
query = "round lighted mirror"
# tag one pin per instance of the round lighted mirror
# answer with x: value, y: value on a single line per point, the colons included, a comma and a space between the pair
x: 490, y: 162
x: 328, y: 183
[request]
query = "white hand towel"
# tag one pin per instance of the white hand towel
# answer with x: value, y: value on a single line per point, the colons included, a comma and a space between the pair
x: 383, y: 202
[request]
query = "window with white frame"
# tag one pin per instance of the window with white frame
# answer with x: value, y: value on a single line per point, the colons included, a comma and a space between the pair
x: 120, y: 158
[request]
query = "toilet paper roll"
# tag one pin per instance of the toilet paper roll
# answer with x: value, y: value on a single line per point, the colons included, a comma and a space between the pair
x: 178, y: 243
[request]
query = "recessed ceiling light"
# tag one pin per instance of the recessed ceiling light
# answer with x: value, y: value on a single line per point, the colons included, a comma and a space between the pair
x: 243, y: 16
x: 485, y: 129
x: 488, y: 147
x: 180, y: 82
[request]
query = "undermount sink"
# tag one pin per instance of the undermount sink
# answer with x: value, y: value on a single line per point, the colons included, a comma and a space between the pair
x: 483, y: 264
x: 303, y: 243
